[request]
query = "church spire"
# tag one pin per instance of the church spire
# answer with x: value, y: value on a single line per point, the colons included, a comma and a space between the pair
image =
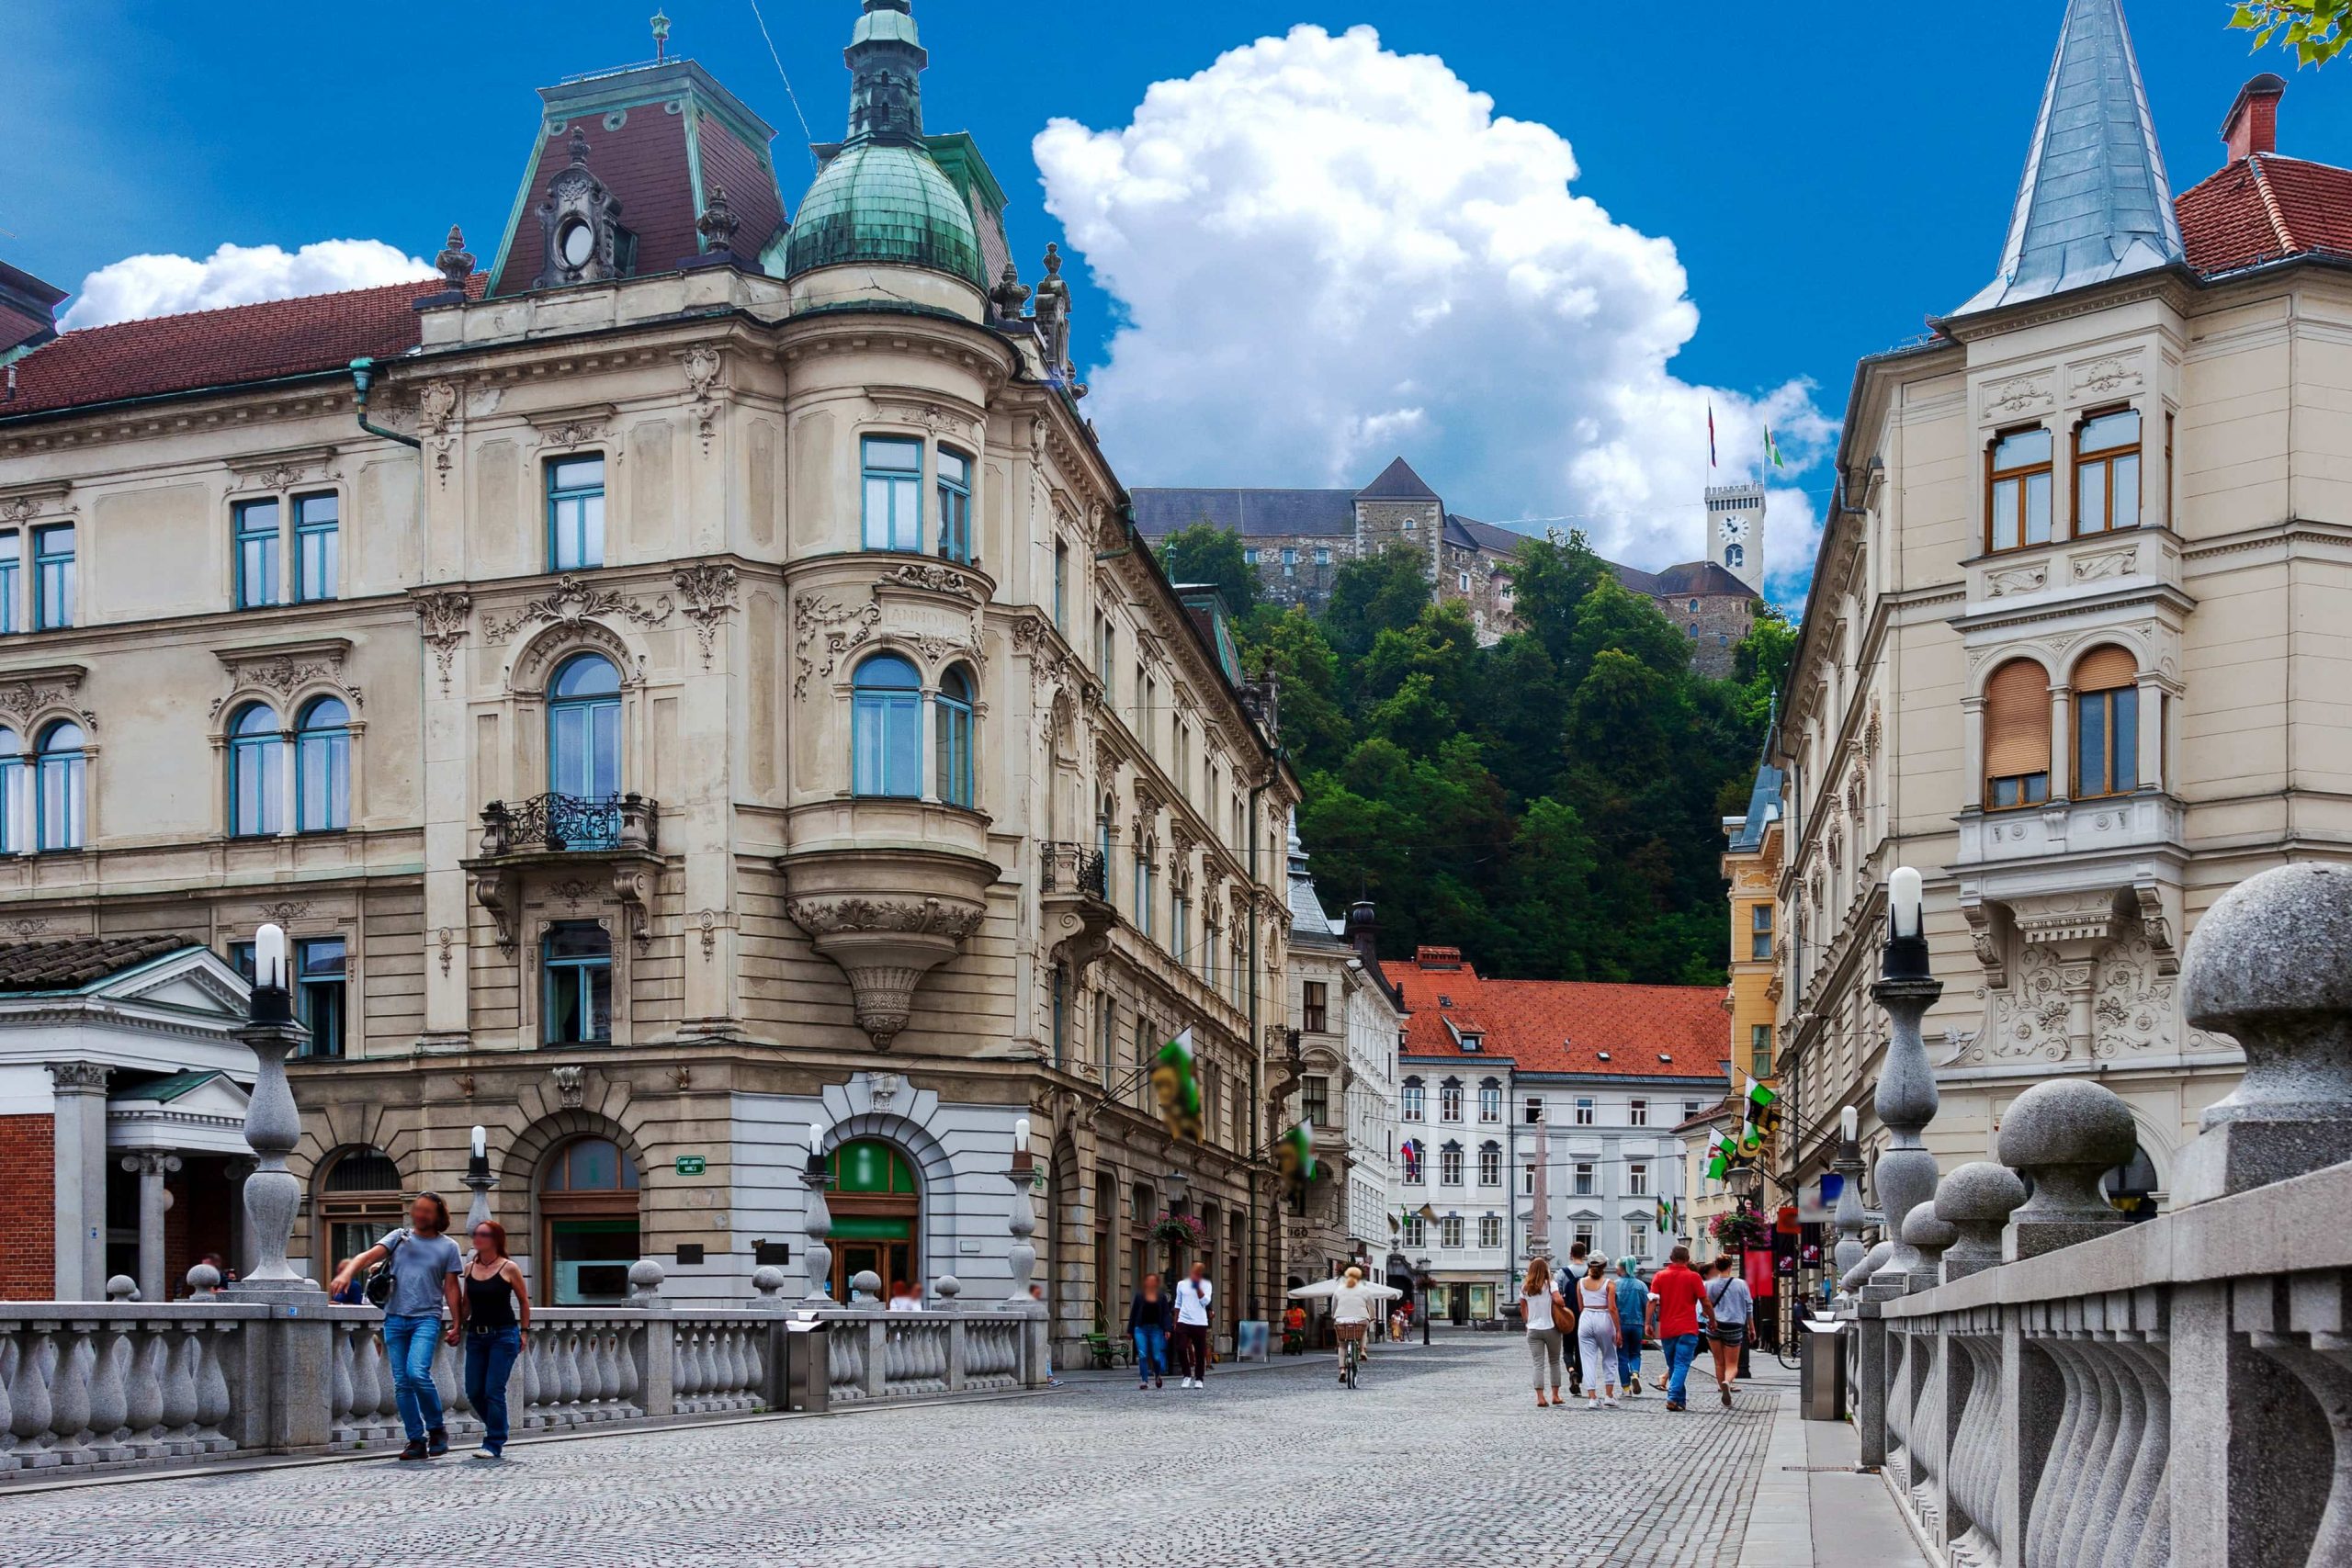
x: 2095, y: 204
x: 885, y: 64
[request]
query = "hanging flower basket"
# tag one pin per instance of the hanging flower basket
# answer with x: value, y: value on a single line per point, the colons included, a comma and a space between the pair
x: 1742, y: 1227
x: 1179, y: 1230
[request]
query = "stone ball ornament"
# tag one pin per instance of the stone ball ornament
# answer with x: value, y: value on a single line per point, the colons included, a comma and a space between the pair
x: 949, y: 1287
x: 645, y: 1277
x: 865, y: 1285
x: 122, y: 1288
x: 1928, y: 1231
x: 767, y: 1278
x: 2066, y: 1134
x: 1978, y: 1193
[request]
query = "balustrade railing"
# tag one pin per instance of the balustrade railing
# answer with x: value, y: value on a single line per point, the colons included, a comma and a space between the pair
x: 87, y: 1387
x: 1074, y: 868
x: 565, y: 823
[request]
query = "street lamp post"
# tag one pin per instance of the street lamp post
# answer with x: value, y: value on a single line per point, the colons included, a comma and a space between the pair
x: 818, y: 1222
x: 1422, y: 1278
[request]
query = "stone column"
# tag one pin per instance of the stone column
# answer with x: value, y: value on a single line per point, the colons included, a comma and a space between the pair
x: 2065, y: 1133
x: 2151, y: 758
x: 152, y: 1166
x: 1906, y: 1103
x: 79, y: 1174
x: 2265, y: 965
x: 2062, y: 741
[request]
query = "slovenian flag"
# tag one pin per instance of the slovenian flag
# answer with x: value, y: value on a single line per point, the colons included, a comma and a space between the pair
x: 1773, y: 450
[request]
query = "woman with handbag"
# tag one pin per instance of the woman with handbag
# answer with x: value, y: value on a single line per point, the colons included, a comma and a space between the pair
x: 497, y: 1314
x: 1540, y: 1304
x: 418, y: 1281
x: 1734, y: 1308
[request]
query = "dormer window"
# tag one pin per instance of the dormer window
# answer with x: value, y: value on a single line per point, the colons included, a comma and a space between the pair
x: 576, y: 243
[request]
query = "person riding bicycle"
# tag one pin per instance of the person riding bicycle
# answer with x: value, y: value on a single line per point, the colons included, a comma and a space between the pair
x: 1355, y: 1307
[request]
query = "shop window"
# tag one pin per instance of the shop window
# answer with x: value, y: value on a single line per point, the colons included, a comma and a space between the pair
x: 588, y: 1207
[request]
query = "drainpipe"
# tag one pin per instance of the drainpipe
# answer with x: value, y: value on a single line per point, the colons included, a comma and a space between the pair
x: 1257, y: 1037
x: 363, y: 373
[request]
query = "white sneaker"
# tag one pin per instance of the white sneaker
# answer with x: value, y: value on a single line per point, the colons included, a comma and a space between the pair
x: 1611, y: 1403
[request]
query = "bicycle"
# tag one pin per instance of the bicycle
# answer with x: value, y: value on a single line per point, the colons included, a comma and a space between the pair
x: 1352, y: 1363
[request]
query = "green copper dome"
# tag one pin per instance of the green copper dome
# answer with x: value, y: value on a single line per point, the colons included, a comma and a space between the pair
x: 881, y: 201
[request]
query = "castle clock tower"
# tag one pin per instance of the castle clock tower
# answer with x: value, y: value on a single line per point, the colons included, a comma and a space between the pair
x: 1736, y: 531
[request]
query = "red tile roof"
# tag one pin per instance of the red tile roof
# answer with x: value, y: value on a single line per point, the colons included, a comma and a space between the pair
x: 1561, y: 1026
x: 238, y: 345
x: 2266, y: 209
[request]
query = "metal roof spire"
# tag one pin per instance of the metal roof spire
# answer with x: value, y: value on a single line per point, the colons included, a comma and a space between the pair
x: 2095, y: 204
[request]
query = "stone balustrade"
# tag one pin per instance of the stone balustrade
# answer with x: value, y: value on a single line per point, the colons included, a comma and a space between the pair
x: 88, y: 1387
x: 2069, y: 1390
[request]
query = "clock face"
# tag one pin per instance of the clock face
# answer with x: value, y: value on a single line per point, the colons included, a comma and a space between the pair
x: 1736, y: 529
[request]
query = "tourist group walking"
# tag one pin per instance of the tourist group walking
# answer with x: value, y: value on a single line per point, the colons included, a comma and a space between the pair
x: 1595, y: 1326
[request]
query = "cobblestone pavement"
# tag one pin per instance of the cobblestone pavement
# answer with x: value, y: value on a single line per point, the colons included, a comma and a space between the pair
x: 1442, y: 1455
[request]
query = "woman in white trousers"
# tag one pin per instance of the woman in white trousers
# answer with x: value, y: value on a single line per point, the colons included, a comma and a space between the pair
x: 1597, y: 1334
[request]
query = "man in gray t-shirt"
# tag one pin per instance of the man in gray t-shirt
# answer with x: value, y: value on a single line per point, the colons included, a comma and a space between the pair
x: 424, y: 1265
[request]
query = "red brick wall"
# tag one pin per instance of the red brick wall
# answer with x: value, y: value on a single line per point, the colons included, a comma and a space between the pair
x: 29, y: 1231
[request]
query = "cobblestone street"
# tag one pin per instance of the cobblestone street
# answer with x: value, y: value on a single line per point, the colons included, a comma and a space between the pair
x: 1442, y: 1455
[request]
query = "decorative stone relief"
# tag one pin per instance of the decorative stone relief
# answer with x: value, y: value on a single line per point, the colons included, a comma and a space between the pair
x: 25, y: 697
x: 287, y: 912
x: 933, y: 418
x: 839, y: 629
x: 2019, y: 395
x: 2110, y: 374
x: 571, y: 1084
x: 709, y: 591
x: 933, y: 577
x: 2026, y: 1022
x: 447, y: 941
x: 2106, y: 564
x: 2007, y: 582
x: 574, y: 600
x: 19, y: 504
x: 437, y: 410
x: 705, y: 924
x: 704, y: 368
x: 442, y: 616
x: 284, y: 470
x: 284, y: 671
x: 927, y: 917
x: 2136, y: 1011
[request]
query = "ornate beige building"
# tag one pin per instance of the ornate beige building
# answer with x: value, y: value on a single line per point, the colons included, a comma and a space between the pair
x: 2073, y: 644
x: 705, y: 683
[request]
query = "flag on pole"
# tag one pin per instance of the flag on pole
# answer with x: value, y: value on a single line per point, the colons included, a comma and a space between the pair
x: 1177, y: 1087
x: 1773, y: 450
x: 1666, y: 1216
x: 1711, y: 432
x: 1763, y: 1109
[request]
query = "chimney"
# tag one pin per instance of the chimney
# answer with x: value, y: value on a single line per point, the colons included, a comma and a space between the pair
x: 2253, y: 125
x: 1364, y: 934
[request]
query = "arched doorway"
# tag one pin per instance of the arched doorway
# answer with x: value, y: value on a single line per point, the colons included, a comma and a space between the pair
x: 877, y: 1204
x: 588, y: 1217
x: 359, y: 1200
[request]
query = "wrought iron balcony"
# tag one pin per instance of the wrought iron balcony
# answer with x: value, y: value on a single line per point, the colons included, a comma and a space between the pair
x: 562, y: 824
x: 1074, y: 868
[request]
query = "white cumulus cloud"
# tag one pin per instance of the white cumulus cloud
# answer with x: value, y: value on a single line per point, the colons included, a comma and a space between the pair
x: 1326, y: 253
x: 138, y: 286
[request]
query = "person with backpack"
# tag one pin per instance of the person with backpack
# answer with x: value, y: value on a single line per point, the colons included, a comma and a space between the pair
x: 1632, y: 1314
x: 1734, y: 1311
x: 419, y: 1280
x: 497, y: 1315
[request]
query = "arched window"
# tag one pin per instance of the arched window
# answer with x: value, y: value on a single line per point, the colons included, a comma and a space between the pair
x: 584, y: 728
x: 1411, y: 1155
x: 257, y: 773
x: 359, y: 1200
x: 59, y: 765
x: 877, y: 1203
x: 886, y: 728
x: 954, y: 506
x: 588, y: 1206
x: 14, y: 827
x: 2016, y: 736
x: 322, y: 767
x: 2107, y: 723
x: 1734, y: 556
x: 952, y: 738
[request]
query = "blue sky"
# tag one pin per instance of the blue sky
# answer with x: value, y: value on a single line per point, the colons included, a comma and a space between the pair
x: 1824, y: 190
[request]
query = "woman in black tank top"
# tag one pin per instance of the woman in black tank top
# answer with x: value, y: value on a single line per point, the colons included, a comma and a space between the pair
x: 497, y: 1309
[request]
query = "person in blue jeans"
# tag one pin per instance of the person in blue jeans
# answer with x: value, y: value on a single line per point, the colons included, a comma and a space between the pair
x: 1678, y: 1306
x: 1633, y: 1317
x: 497, y: 1315
x: 1148, y: 1321
x: 424, y: 1265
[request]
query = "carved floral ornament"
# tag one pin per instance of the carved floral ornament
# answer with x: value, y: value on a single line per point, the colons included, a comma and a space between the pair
x: 831, y: 915
x: 704, y: 369
x: 575, y: 600
x: 282, y: 672
x: 29, y: 696
x: 2017, y: 395
x: 707, y: 590
x: 442, y: 618
x: 829, y: 629
x: 22, y: 503
x: 284, y: 470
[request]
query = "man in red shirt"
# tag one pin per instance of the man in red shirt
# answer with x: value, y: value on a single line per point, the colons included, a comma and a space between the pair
x: 1677, y: 1305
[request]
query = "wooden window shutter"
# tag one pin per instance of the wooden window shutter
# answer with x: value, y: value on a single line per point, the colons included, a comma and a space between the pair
x: 2106, y: 670
x: 2017, y: 721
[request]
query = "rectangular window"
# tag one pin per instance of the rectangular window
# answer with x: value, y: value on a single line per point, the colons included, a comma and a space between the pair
x: 893, y: 489
x: 1318, y: 1009
x: 12, y: 545
x: 954, y: 506
x: 1759, y: 1051
x: 1583, y: 1179
x: 1637, y: 1239
x: 1637, y: 1179
x: 1209, y: 935
x: 2106, y: 473
x: 1322, y: 555
x: 1106, y: 647
x: 575, y: 513
x: 1143, y: 895
x: 1180, y: 927
x: 1637, y: 1112
x: 578, y: 1002
x: 1490, y: 1102
x: 53, y: 577
x: 257, y: 528
x: 1448, y: 1101
x: 1315, y: 1099
x: 1417, y: 1232
x: 1449, y: 1166
x: 1526, y: 1180
x: 1450, y: 1232
x: 1462, y: 581
x: 2107, y: 742
x: 317, y: 550
x: 1690, y: 1108
x: 2019, y: 486
x: 1490, y: 1230
x: 1411, y: 1103
x: 1061, y: 587
x: 1250, y: 556
x: 1584, y: 1236
x: 1290, y: 558
x: 1584, y: 1113
x: 1532, y: 1112
x: 318, y: 993
x: 1490, y: 1166
x: 1760, y: 933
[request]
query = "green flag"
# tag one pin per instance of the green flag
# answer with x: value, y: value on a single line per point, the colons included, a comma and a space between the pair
x: 1717, y: 1167
x: 1295, y: 1155
x: 1177, y: 1087
x: 1773, y: 450
x: 1666, y: 1216
x: 1758, y: 1097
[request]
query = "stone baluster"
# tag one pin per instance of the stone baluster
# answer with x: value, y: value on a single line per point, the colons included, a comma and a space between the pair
x: 7, y: 1411
x: 111, y: 1393
x: 631, y: 1341
x: 2065, y: 1133
x: 1907, y: 1098
x: 29, y: 1395
x: 143, y: 1394
x: 69, y: 1395
x: 1976, y: 1200
x: 1853, y: 1218
x: 2144, y: 1536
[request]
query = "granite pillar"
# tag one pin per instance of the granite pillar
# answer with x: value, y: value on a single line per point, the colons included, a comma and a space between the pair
x: 79, y: 1174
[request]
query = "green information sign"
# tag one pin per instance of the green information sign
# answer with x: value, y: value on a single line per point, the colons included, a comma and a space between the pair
x: 691, y: 1165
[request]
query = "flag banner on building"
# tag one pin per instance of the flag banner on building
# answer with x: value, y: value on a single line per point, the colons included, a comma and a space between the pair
x: 1294, y: 1156
x: 1763, y: 1111
x: 1178, y: 1088
x: 1726, y: 1154
x: 1666, y: 1216
x: 1751, y: 1141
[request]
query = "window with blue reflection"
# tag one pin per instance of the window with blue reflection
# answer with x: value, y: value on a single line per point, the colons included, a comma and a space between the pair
x: 575, y: 513
x: 317, y: 548
x: 954, y: 506
x: 53, y: 577
x: 59, y: 764
x: 952, y: 739
x: 322, y: 767
x: 257, y: 773
x: 256, y: 527
x: 893, y: 488
x: 577, y: 958
x: 886, y: 728
x: 584, y: 728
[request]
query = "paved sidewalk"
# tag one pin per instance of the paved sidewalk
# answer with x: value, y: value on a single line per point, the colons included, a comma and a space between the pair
x: 1443, y: 1456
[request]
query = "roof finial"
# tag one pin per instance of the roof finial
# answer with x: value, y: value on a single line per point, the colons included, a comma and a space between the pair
x: 660, y: 36
x: 456, y: 262
x: 1010, y: 294
x: 579, y: 145
x: 718, y: 223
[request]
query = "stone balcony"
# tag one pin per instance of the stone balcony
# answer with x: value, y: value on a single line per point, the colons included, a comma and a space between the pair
x: 554, y: 837
x: 2132, y: 560
x: 2125, y: 824
x: 1074, y: 899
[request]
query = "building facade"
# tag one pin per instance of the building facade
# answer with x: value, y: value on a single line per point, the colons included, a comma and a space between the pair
x: 692, y: 689
x: 2064, y: 648
x: 1534, y: 1114
x: 1298, y: 540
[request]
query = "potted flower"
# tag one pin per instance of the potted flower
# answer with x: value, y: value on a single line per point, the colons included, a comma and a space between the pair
x: 1743, y: 1227
x: 1179, y: 1230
